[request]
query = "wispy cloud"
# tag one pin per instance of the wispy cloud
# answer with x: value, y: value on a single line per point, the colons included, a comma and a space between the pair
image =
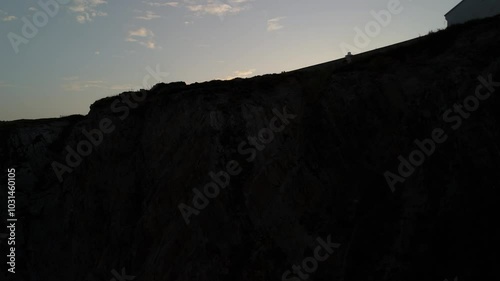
x: 4, y: 16
x: 9, y: 18
x: 141, y: 32
x: 142, y: 36
x: 216, y: 7
x: 87, y: 10
x: 241, y: 74
x: 274, y: 24
x: 147, y: 15
x: 162, y: 4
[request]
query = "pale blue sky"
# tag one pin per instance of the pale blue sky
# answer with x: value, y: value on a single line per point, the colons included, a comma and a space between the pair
x: 91, y: 49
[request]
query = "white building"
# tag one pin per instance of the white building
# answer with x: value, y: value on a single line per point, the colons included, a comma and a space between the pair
x: 472, y: 9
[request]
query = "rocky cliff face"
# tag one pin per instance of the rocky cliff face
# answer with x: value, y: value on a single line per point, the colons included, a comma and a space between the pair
x: 284, y: 163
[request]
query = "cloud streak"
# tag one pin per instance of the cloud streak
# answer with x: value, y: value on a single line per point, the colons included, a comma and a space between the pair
x: 218, y: 8
x: 162, y: 4
x: 87, y: 10
x: 241, y: 74
x: 274, y: 24
x: 147, y: 15
x: 4, y: 16
x: 143, y: 36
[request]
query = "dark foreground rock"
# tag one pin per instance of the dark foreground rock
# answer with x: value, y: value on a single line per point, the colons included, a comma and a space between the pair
x: 320, y: 176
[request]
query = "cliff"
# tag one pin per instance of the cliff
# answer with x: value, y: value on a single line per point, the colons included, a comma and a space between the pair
x: 284, y: 161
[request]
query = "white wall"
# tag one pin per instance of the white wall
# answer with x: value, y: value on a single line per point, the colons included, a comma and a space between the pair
x: 473, y: 9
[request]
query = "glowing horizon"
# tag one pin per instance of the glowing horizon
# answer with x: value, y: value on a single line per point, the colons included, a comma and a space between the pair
x: 89, y: 49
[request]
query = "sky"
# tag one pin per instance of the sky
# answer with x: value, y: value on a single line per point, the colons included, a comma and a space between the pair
x: 59, y: 56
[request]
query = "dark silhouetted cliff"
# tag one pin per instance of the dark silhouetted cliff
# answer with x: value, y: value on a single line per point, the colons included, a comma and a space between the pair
x: 321, y: 175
